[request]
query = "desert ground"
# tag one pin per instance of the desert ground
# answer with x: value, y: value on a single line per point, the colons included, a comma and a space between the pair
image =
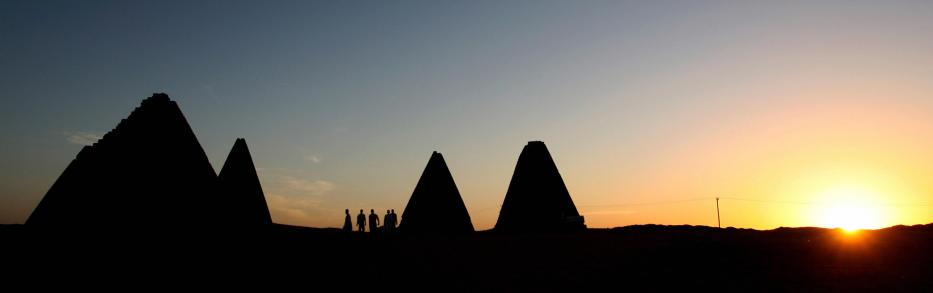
x: 632, y: 258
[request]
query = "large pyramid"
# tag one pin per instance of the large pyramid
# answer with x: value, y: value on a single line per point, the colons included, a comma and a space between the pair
x: 239, y: 185
x: 149, y: 171
x: 435, y: 206
x: 537, y: 199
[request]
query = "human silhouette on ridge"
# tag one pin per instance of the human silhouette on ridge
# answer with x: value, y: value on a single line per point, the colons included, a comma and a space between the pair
x: 394, y: 218
x: 373, y: 221
x: 387, y: 222
x: 347, y: 223
x: 361, y: 221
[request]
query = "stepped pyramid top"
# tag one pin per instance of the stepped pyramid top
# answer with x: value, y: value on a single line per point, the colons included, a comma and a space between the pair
x: 149, y: 171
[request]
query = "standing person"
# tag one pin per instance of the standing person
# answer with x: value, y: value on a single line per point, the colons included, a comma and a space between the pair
x: 387, y: 222
x: 394, y: 219
x: 361, y: 221
x: 373, y: 221
x: 347, y: 223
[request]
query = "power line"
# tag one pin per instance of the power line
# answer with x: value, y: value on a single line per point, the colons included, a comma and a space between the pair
x: 826, y: 203
x: 755, y: 200
x: 717, y: 199
x: 771, y: 201
x: 647, y: 203
x: 791, y: 202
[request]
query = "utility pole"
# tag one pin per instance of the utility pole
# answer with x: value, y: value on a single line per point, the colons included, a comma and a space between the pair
x: 718, y: 222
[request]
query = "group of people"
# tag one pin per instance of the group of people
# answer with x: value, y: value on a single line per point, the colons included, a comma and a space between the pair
x: 389, y: 223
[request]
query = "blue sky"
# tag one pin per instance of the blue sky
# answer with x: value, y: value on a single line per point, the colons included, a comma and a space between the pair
x: 343, y: 102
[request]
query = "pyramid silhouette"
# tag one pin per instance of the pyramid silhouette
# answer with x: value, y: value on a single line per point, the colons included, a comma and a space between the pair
x: 537, y: 199
x: 435, y: 206
x: 149, y: 171
x: 239, y: 186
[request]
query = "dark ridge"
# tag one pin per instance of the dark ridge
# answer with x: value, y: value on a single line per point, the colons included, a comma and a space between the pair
x: 537, y: 199
x: 239, y: 186
x: 649, y: 258
x: 435, y: 205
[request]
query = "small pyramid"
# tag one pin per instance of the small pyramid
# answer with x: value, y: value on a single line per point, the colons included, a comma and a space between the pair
x: 537, y: 199
x: 149, y: 171
x: 240, y: 190
x: 435, y: 206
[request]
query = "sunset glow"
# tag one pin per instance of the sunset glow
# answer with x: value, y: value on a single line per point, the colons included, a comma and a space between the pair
x: 793, y: 114
x: 849, y: 208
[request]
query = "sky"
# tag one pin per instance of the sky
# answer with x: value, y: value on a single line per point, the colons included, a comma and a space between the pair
x: 794, y: 113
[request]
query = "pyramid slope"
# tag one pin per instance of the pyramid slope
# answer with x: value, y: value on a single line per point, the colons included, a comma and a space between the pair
x: 435, y: 205
x: 241, y: 192
x: 537, y: 199
x: 149, y: 170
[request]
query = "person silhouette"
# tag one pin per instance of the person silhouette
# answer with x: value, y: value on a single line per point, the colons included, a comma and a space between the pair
x: 394, y: 218
x: 391, y: 222
x: 361, y: 221
x: 373, y: 221
x: 347, y: 223
x: 387, y: 224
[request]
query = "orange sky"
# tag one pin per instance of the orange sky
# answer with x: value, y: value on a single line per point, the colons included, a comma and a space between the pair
x: 812, y: 113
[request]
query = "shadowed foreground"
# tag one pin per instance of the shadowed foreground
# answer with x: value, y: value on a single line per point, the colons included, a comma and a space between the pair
x: 634, y: 257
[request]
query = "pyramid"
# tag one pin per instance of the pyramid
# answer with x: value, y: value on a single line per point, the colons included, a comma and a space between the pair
x: 149, y: 171
x: 537, y: 199
x: 239, y: 187
x: 435, y: 206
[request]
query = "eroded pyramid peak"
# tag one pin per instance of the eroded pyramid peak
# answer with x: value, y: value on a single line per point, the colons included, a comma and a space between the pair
x: 157, y: 98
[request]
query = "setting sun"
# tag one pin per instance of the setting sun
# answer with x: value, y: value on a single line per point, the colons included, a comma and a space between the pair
x: 849, y: 208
